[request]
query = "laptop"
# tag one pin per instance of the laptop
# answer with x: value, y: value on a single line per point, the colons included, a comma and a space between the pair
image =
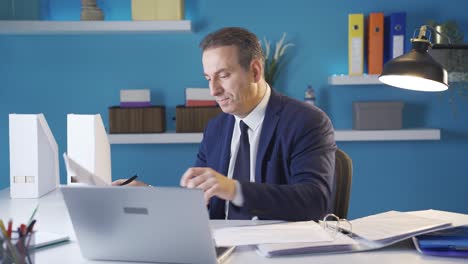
x: 163, y: 224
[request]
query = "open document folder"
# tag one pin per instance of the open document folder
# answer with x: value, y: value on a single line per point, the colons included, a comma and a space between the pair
x: 81, y: 174
x: 367, y: 233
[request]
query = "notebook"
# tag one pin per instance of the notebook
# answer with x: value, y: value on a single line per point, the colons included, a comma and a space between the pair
x: 367, y: 233
x: 161, y: 224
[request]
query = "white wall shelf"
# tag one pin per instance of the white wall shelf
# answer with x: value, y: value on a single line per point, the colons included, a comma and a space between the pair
x: 340, y: 135
x: 373, y: 79
x: 387, y: 135
x: 156, y: 138
x: 92, y: 27
x: 365, y: 79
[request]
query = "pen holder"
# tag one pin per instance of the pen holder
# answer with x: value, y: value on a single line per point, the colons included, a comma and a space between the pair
x: 17, y: 249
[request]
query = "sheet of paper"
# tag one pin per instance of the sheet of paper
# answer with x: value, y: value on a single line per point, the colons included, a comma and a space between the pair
x: 455, y: 218
x: 81, y: 174
x: 392, y: 225
x: 291, y: 232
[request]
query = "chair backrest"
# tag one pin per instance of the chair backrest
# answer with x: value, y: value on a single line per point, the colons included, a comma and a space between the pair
x: 342, y: 185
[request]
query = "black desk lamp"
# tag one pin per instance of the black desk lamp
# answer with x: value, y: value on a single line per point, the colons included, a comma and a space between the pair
x: 417, y: 70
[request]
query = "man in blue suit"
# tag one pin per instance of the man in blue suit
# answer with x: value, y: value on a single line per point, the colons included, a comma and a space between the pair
x: 287, y: 147
x: 267, y: 156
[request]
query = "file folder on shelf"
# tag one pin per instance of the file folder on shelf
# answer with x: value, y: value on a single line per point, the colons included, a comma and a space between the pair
x: 375, y: 46
x: 157, y: 9
x: 362, y: 234
x: 396, y: 35
x: 34, y: 163
x: 356, y: 44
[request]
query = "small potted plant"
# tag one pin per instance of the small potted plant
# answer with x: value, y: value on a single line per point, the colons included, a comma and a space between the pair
x: 453, y: 55
x: 274, y: 61
x: 449, y: 49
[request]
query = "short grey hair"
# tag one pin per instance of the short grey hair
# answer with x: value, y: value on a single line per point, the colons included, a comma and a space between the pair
x: 247, y: 43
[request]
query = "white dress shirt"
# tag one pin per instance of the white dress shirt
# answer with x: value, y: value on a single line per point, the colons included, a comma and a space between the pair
x: 254, y: 120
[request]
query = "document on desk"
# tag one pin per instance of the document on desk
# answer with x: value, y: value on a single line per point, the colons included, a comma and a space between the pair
x: 80, y: 174
x: 289, y: 232
x: 368, y: 233
x: 391, y: 226
x: 456, y: 219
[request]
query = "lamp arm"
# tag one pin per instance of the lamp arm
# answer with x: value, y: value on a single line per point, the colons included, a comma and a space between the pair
x: 440, y: 33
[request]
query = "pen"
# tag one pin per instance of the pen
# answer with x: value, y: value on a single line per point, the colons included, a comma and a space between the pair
x: 10, y: 227
x: 29, y: 231
x: 8, y: 241
x: 30, y: 227
x: 22, y: 229
x: 129, y: 180
x: 33, y: 214
x: 3, y: 229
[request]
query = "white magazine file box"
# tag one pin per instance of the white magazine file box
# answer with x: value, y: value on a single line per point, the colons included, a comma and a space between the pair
x: 88, y: 145
x: 34, y: 162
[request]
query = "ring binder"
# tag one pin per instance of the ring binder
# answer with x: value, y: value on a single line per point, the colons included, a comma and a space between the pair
x: 368, y: 233
x: 338, y: 225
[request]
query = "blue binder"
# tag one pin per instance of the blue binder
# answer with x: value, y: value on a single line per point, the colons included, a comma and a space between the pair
x: 452, y: 242
x: 396, y: 39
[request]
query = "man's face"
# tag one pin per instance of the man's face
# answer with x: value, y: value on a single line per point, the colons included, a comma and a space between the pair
x: 231, y: 85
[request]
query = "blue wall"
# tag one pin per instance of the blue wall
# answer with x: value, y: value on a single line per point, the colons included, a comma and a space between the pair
x: 83, y: 74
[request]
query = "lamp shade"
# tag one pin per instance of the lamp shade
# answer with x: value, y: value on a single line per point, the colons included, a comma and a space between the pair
x: 415, y: 70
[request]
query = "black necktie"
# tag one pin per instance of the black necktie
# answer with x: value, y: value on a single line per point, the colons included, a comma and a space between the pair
x: 242, y: 169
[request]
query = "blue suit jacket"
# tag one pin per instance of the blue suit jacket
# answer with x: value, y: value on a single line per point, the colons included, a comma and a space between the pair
x: 294, y: 167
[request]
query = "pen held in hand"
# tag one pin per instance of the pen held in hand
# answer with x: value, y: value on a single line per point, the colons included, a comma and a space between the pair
x: 129, y: 180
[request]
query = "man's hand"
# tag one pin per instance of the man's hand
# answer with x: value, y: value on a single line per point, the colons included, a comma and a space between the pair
x: 211, y: 182
x: 133, y: 183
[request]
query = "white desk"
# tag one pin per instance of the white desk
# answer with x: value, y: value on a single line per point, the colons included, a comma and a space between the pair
x: 52, y: 216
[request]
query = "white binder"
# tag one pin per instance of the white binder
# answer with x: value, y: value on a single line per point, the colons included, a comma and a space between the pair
x: 88, y: 146
x: 34, y: 163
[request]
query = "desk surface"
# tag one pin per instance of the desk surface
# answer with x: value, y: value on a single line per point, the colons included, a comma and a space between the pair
x: 52, y: 216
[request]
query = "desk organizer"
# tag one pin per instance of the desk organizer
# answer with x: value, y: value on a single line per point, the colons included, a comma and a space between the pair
x: 16, y: 249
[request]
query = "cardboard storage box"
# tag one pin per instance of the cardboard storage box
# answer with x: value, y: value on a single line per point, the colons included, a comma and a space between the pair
x: 137, y: 120
x: 194, y: 119
x: 377, y: 115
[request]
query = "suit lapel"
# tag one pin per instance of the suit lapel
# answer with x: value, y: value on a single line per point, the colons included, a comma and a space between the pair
x: 217, y: 205
x: 275, y: 104
x: 226, y: 147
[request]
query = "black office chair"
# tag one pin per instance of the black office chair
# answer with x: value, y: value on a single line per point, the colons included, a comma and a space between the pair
x: 342, y: 185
